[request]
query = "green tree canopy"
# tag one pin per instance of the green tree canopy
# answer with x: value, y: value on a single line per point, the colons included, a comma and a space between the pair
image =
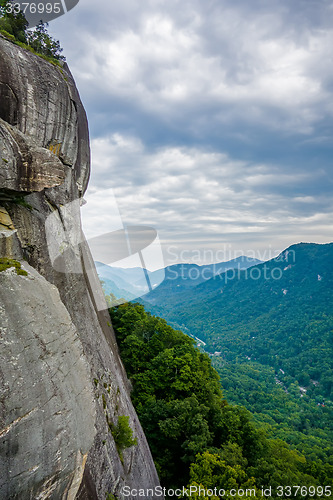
x: 195, y: 436
x: 14, y: 25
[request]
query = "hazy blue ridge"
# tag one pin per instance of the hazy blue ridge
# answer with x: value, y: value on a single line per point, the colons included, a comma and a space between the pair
x: 132, y: 283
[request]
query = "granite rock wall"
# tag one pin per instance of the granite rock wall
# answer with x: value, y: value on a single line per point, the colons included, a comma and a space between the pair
x: 62, y: 380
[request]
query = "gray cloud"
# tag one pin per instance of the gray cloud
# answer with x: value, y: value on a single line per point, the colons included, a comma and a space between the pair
x: 211, y: 122
x: 192, y: 197
x: 177, y: 63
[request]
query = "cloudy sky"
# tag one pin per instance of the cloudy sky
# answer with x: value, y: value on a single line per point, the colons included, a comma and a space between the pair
x: 210, y: 121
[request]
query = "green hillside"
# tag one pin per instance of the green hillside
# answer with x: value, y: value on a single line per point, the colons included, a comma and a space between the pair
x: 196, y: 437
x: 271, y: 328
x: 279, y: 313
x: 180, y: 278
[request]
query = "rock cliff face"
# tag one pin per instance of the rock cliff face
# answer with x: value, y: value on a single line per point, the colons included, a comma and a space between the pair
x: 61, y: 380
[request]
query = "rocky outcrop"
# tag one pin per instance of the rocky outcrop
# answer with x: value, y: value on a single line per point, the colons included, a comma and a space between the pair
x: 41, y: 101
x: 62, y: 380
x: 44, y: 393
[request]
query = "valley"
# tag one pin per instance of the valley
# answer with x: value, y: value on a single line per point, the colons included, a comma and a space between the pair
x: 268, y: 329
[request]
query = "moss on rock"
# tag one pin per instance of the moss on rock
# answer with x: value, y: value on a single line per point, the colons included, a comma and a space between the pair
x: 9, y: 263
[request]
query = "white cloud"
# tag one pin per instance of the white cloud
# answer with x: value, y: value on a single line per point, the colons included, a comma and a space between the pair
x: 172, y: 58
x: 188, y: 194
x: 211, y: 122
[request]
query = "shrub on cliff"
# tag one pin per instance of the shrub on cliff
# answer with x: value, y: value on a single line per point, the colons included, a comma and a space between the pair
x: 43, y: 43
x: 122, y: 434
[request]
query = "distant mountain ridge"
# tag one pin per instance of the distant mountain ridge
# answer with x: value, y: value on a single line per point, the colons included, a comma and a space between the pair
x: 180, y: 278
x: 279, y: 313
x: 269, y: 330
x: 136, y: 282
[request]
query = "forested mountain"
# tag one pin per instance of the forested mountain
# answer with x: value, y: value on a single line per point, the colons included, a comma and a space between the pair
x: 278, y: 313
x: 271, y: 330
x: 180, y: 278
x: 135, y: 282
x: 119, y: 281
x: 196, y: 437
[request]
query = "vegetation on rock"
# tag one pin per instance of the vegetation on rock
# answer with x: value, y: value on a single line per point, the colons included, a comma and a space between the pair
x: 14, y: 26
x: 195, y: 436
x: 11, y: 263
x: 122, y: 434
x: 269, y: 331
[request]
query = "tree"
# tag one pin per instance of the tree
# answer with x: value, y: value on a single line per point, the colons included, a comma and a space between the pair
x: 14, y: 23
x: 195, y: 436
x: 43, y: 43
x: 210, y: 472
